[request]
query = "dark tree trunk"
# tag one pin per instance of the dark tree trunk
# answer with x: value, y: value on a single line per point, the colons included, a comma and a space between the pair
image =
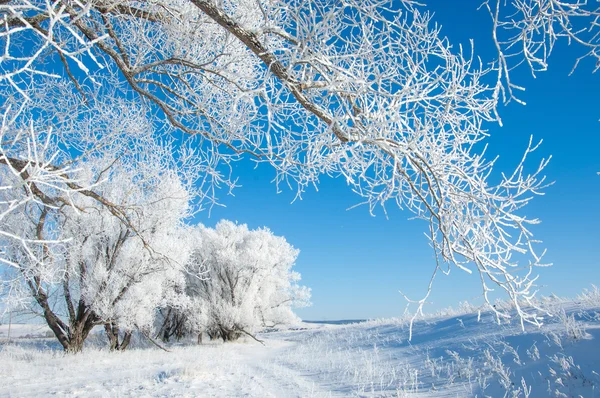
x: 113, y: 338
x: 71, y: 337
x: 173, y: 325
x: 81, y: 322
x: 79, y: 331
x: 112, y: 332
x: 60, y: 330
x: 126, y: 340
x: 214, y: 333
x: 229, y: 334
x: 76, y: 343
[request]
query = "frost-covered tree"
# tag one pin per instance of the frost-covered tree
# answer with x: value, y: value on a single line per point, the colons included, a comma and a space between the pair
x: 117, y: 258
x: 365, y: 90
x: 129, y: 273
x: 240, y: 280
x: 88, y: 176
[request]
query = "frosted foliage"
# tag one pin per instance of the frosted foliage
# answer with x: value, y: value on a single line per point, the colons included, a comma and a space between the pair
x: 363, y: 90
x: 241, y: 279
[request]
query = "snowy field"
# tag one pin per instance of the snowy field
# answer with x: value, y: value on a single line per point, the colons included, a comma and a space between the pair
x: 452, y: 354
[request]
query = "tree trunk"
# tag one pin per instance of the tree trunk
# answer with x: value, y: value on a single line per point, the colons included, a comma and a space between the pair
x: 59, y: 329
x: 112, y: 332
x: 76, y: 343
x: 113, y: 341
x: 214, y: 333
x: 229, y: 335
x: 162, y: 332
x: 79, y: 331
x: 172, y: 325
x: 126, y: 340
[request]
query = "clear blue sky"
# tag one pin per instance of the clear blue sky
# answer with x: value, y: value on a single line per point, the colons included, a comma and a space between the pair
x: 356, y: 263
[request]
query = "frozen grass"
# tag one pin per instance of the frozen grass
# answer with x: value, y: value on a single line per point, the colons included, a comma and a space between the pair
x: 458, y: 353
x: 454, y: 353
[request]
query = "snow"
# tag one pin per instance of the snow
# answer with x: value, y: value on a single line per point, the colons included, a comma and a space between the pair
x: 446, y: 358
x: 227, y: 370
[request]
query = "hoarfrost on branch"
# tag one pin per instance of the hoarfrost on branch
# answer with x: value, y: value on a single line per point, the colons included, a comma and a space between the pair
x: 350, y: 89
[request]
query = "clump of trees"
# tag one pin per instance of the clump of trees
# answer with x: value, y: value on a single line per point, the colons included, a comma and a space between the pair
x: 102, y: 240
x: 128, y: 261
x: 237, y: 281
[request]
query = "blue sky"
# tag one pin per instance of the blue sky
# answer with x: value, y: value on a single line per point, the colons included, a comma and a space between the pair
x: 356, y: 263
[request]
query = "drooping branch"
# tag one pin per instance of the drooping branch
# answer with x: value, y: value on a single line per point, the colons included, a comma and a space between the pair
x: 313, y: 87
x: 272, y: 63
x: 445, y: 188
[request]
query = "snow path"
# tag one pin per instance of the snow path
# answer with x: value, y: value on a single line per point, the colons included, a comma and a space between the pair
x: 277, y: 380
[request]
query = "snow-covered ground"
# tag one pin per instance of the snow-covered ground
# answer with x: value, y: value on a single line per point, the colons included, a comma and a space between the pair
x: 454, y: 354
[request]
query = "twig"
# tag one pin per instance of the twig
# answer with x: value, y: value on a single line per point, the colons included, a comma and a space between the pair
x: 152, y: 340
x: 254, y: 337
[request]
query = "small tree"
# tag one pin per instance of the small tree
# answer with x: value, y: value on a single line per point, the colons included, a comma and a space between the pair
x: 240, y: 280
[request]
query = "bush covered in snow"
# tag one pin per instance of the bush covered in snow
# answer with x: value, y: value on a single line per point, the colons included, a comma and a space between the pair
x: 237, y: 281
